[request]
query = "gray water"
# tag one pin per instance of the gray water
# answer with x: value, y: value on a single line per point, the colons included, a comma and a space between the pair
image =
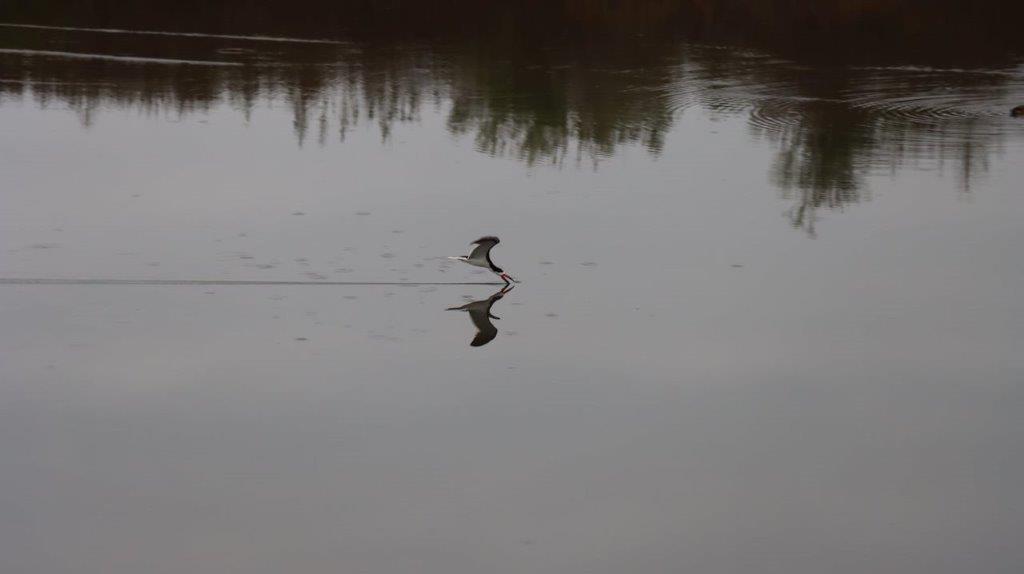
x: 770, y: 317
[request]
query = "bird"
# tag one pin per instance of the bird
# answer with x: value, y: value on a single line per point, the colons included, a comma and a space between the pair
x: 1017, y: 112
x: 480, y: 314
x: 481, y: 257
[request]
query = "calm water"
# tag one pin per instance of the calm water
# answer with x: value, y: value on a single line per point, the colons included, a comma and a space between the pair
x: 770, y: 320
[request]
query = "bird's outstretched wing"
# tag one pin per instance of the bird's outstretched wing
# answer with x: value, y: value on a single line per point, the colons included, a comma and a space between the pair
x: 484, y: 336
x: 480, y: 315
x: 483, y: 247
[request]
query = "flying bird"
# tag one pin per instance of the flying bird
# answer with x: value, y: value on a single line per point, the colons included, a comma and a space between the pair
x: 481, y: 257
x: 480, y: 314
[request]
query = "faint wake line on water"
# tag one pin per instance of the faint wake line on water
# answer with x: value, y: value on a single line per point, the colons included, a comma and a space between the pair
x: 135, y: 59
x: 1012, y: 72
x: 224, y: 282
x: 183, y: 34
x: 47, y: 83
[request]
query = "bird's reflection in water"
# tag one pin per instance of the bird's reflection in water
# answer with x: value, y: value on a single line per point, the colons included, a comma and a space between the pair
x: 480, y: 314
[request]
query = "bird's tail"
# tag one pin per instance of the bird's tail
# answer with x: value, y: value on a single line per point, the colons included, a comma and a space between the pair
x: 458, y: 258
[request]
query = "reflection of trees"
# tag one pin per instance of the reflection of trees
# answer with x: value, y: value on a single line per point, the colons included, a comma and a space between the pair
x: 541, y: 95
x: 824, y: 157
x: 537, y: 108
x: 532, y: 105
x: 835, y: 127
x: 817, y: 164
x: 824, y: 145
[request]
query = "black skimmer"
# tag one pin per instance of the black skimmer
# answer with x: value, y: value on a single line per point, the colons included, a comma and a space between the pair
x: 481, y: 257
x: 480, y: 314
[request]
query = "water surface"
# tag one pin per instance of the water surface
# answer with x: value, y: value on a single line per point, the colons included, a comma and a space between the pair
x: 770, y: 318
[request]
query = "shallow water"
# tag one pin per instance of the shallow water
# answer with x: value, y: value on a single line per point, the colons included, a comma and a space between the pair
x: 769, y: 319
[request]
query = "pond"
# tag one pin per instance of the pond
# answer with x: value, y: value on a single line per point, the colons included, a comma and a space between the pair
x: 768, y: 319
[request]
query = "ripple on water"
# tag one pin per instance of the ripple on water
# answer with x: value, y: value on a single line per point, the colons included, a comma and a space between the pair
x: 930, y: 103
x: 776, y: 115
x: 922, y: 104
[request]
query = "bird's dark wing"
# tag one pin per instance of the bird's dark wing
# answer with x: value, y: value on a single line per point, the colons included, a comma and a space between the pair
x: 484, y: 337
x: 480, y: 314
x: 483, y: 247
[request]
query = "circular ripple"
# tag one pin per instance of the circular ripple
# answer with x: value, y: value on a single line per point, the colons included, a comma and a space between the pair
x: 777, y: 115
x: 933, y: 96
